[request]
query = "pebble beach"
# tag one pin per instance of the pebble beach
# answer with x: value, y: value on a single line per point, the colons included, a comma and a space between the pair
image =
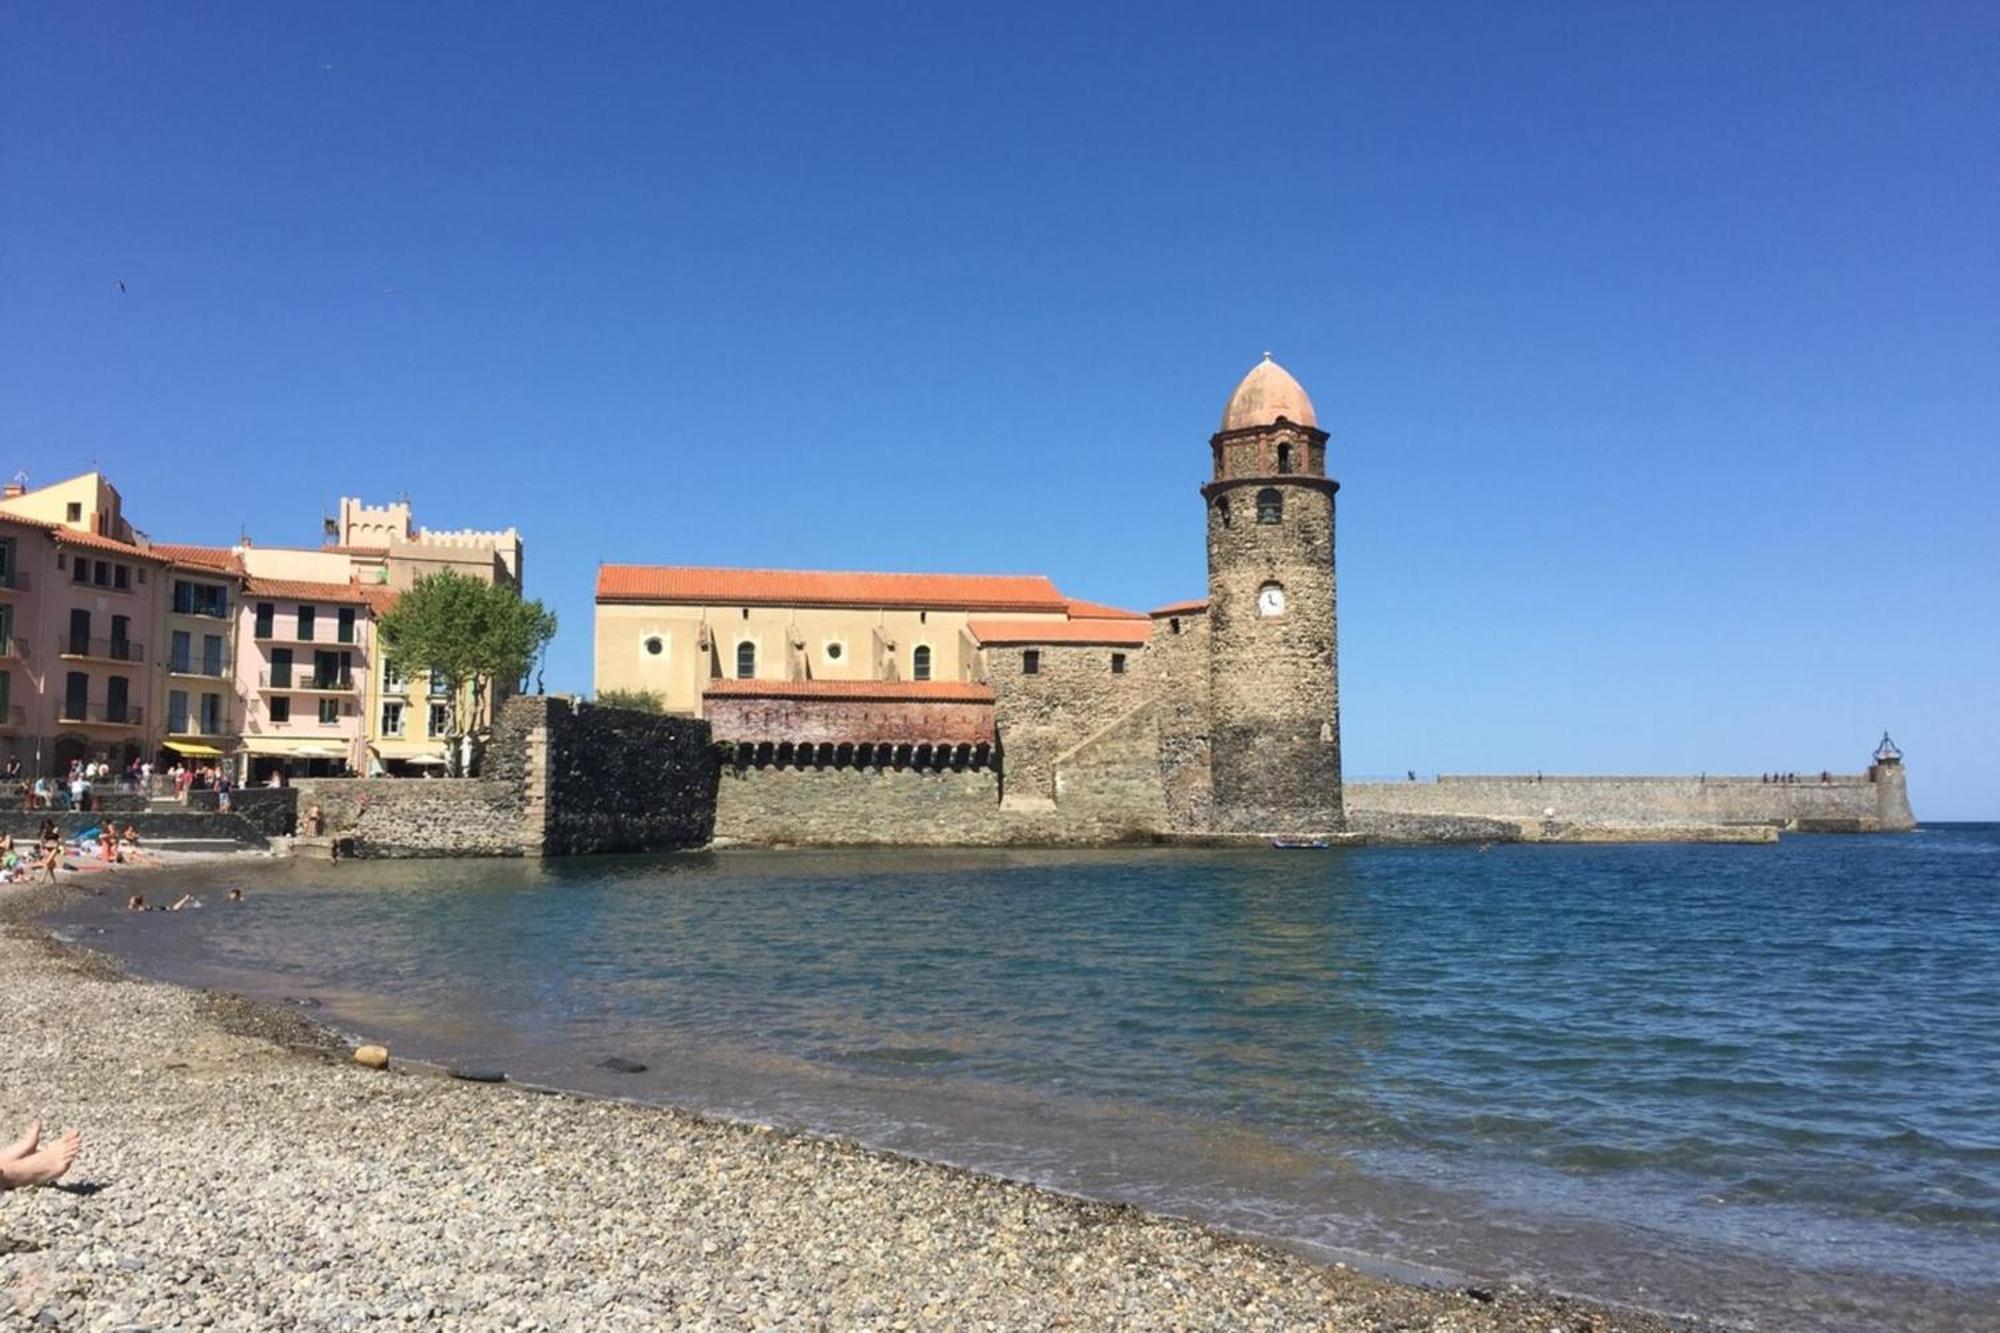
x: 240, y: 1171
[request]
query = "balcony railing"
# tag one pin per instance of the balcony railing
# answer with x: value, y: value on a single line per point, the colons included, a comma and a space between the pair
x: 14, y: 580
x: 305, y: 680
x: 194, y: 666
x: 107, y: 715
x: 194, y: 726
x: 288, y: 632
x: 109, y: 650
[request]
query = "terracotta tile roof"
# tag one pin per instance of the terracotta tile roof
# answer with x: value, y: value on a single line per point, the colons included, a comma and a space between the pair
x: 900, y: 691
x: 1099, y: 611
x: 379, y: 597
x: 218, y: 558
x: 1182, y: 608
x: 298, y: 590
x: 1118, y: 633
x: 91, y: 541
x: 791, y: 587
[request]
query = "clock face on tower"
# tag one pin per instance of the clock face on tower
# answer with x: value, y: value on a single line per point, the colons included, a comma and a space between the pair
x: 1270, y: 600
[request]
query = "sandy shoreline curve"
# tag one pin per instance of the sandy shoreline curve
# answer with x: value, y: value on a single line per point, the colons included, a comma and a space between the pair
x: 239, y: 1171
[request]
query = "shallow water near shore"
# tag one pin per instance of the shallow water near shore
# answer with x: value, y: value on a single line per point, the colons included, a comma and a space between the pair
x: 1754, y: 1083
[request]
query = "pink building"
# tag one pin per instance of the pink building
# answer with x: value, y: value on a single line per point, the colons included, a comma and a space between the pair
x: 302, y: 657
x: 78, y: 611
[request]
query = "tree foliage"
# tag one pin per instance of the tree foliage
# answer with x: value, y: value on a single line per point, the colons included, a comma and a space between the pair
x: 641, y: 701
x: 466, y: 632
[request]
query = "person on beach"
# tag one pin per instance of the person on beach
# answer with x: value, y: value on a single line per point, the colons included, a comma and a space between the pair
x: 25, y: 1162
x: 48, y: 833
x: 315, y: 820
x: 50, y: 861
x: 136, y: 903
x: 236, y: 895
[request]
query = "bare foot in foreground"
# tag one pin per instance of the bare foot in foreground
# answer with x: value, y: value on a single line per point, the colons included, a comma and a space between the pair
x: 43, y: 1166
x: 30, y: 1139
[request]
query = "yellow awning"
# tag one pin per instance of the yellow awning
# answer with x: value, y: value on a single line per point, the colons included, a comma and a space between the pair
x: 191, y: 748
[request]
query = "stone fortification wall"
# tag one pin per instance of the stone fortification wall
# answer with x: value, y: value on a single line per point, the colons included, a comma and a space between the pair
x: 398, y: 817
x: 1074, y: 694
x: 560, y: 778
x: 1391, y: 826
x: 1847, y: 802
x: 1177, y: 665
x: 846, y: 806
x: 272, y: 810
x: 153, y: 826
x: 1107, y: 787
x: 616, y: 780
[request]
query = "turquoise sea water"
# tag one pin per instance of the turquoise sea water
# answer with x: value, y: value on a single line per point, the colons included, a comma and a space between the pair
x: 1757, y: 1083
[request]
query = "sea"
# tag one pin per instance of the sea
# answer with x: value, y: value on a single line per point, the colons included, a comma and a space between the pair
x: 1755, y: 1084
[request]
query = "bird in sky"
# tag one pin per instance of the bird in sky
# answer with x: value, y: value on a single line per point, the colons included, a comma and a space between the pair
x: 121, y: 284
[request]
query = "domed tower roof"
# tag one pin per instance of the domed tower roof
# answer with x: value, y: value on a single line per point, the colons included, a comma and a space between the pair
x: 1267, y: 393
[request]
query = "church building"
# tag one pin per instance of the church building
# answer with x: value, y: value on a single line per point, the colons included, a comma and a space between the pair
x: 885, y: 707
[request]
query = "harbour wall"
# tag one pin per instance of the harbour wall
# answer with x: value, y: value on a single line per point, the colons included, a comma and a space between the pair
x: 559, y: 778
x: 1104, y: 789
x: 1875, y: 801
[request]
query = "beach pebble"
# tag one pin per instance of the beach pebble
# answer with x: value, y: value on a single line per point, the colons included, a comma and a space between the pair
x: 618, y: 1064
x: 374, y: 1057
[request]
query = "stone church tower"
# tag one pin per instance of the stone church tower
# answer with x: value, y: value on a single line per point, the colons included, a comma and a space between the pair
x: 1274, y: 691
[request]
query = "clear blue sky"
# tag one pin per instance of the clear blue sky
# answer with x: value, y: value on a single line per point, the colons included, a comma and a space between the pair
x: 1660, y: 344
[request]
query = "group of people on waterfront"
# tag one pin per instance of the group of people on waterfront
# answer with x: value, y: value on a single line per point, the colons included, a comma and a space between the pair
x: 77, y: 790
x: 1792, y: 779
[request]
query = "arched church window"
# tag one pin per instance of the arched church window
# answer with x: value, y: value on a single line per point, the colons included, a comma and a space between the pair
x: 746, y: 660
x: 920, y: 662
x: 1270, y: 506
x: 1222, y: 509
x: 1284, y: 458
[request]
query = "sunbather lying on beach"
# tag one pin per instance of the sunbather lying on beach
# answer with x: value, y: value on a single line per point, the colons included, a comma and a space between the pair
x: 26, y: 1162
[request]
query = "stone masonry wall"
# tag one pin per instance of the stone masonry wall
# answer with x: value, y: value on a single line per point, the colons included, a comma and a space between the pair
x: 1849, y: 801
x: 559, y: 778
x: 1075, y: 694
x: 1177, y: 669
x: 1274, y: 738
x: 858, y: 806
x: 623, y: 781
x: 399, y: 817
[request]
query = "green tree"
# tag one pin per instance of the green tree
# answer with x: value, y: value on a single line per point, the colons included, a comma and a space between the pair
x: 469, y: 634
x: 639, y: 701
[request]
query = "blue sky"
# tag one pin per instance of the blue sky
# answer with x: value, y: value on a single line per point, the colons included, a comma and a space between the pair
x: 1660, y: 345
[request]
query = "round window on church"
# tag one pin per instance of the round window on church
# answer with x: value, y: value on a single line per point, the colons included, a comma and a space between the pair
x: 655, y: 645
x: 833, y: 652
x: 1270, y: 601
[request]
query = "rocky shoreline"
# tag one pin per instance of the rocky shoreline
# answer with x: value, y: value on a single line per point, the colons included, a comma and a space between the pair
x: 240, y: 1171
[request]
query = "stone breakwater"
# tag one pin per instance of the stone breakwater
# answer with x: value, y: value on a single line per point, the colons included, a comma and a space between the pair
x: 240, y: 1172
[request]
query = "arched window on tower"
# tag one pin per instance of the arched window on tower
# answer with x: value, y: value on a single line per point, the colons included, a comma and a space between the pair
x: 746, y: 660
x: 1270, y: 505
x: 920, y: 662
x: 1222, y: 509
x: 1284, y: 458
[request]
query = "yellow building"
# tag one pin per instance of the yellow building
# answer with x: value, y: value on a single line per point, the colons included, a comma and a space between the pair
x: 671, y: 629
